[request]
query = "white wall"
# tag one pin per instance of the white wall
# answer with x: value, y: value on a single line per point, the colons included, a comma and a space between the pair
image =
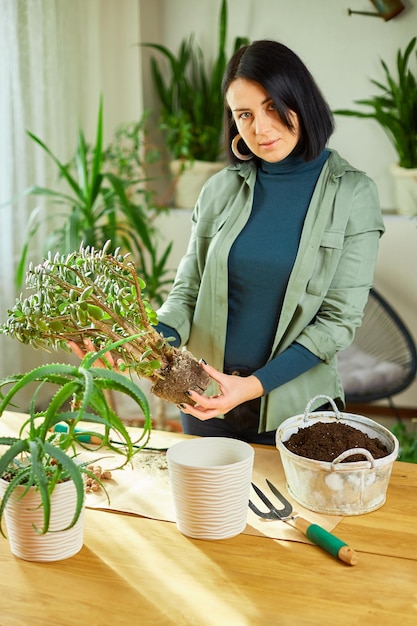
x: 341, y: 51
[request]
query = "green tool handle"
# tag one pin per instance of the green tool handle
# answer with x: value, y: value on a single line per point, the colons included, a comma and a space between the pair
x: 84, y: 437
x: 321, y: 537
x: 81, y: 435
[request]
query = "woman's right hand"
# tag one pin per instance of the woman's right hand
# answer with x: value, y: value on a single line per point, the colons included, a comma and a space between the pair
x: 234, y: 390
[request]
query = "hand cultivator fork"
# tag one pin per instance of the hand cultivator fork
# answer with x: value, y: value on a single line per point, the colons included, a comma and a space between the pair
x: 315, y: 533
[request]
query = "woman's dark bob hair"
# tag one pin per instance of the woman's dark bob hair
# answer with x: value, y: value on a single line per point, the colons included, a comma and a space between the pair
x: 292, y: 88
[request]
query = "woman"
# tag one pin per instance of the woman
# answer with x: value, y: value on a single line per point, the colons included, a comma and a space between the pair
x: 281, y: 256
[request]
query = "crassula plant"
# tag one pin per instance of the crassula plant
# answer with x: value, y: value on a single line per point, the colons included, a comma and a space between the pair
x: 92, y: 294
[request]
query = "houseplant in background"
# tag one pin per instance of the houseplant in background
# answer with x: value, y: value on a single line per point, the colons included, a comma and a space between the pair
x: 91, y: 294
x: 191, y: 117
x: 105, y: 198
x: 395, y: 110
x: 41, y: 478
x: 407, y: 437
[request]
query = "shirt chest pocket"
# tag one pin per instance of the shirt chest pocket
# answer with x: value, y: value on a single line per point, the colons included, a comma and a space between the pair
x: 327, y: 260
x: 207, y: 234
x: 207, y: 229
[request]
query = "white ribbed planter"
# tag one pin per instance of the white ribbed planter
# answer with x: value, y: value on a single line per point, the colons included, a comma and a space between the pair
x: 21, y: 514
x: 405, y: 181
x: 189, y: 181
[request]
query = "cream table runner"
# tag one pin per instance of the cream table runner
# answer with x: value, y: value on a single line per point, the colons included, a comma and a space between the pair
x: 143, y: 487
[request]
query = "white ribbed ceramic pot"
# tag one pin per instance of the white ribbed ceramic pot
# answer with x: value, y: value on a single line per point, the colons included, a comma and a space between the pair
x: 210, y: 480
x: 21, y: 514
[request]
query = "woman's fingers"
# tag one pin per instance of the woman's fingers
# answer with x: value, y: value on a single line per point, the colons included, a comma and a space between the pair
x: 89, y: 346
x: 233, y: 391
x: 203, y: 413
x: 212, y: 372
x: 76, y: 349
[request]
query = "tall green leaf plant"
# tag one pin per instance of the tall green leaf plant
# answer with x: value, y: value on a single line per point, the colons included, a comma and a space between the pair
x: 107, y: 199
x: 395, y: 107
x: 190, y: 95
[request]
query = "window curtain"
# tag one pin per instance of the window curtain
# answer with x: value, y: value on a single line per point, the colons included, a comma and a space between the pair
x: 56, y: 58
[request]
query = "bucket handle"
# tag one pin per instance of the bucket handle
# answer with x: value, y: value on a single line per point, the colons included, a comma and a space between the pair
x: 329, y: 399
x: 347, y: 453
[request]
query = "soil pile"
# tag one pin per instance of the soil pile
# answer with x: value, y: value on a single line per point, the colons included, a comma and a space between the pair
x: 325, y: 441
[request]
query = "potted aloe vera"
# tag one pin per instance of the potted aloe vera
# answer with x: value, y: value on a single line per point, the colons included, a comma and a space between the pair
x: 42, y: 480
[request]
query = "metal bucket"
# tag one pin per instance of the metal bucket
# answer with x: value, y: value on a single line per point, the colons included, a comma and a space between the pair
x: 337, y: 488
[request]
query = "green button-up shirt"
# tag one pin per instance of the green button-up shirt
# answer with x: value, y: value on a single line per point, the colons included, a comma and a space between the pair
x: 327, y: 289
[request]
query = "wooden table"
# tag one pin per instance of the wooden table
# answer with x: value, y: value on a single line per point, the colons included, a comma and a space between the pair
x: 138, y: 571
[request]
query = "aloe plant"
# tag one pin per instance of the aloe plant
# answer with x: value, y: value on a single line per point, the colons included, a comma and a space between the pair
x: 191, y: 97
x: 395, y: 107
x: 42, y: 458
x: 106, y: 199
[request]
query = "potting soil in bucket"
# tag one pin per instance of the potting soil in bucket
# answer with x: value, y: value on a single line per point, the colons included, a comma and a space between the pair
x: 340, y: 487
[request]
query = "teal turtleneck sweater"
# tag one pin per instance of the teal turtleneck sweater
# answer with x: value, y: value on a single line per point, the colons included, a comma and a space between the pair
x: 260, y: 263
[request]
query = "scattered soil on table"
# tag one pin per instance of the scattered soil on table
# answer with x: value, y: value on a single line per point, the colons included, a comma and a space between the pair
x: 153, y: 461
x: 183, y: 372
x: 325, y: 441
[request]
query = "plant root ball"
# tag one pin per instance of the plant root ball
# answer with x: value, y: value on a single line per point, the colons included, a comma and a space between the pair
x: 183, y: 372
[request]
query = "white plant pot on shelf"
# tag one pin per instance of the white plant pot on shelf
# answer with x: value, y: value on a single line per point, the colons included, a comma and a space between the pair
x: 22, y: 514
x: 405, y: 181
x: 189, y: 179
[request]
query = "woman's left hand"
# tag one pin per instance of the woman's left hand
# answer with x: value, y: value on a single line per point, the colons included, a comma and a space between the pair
x: 234, y: 390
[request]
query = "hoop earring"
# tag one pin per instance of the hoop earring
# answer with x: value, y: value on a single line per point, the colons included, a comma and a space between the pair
x: 235, y: 150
